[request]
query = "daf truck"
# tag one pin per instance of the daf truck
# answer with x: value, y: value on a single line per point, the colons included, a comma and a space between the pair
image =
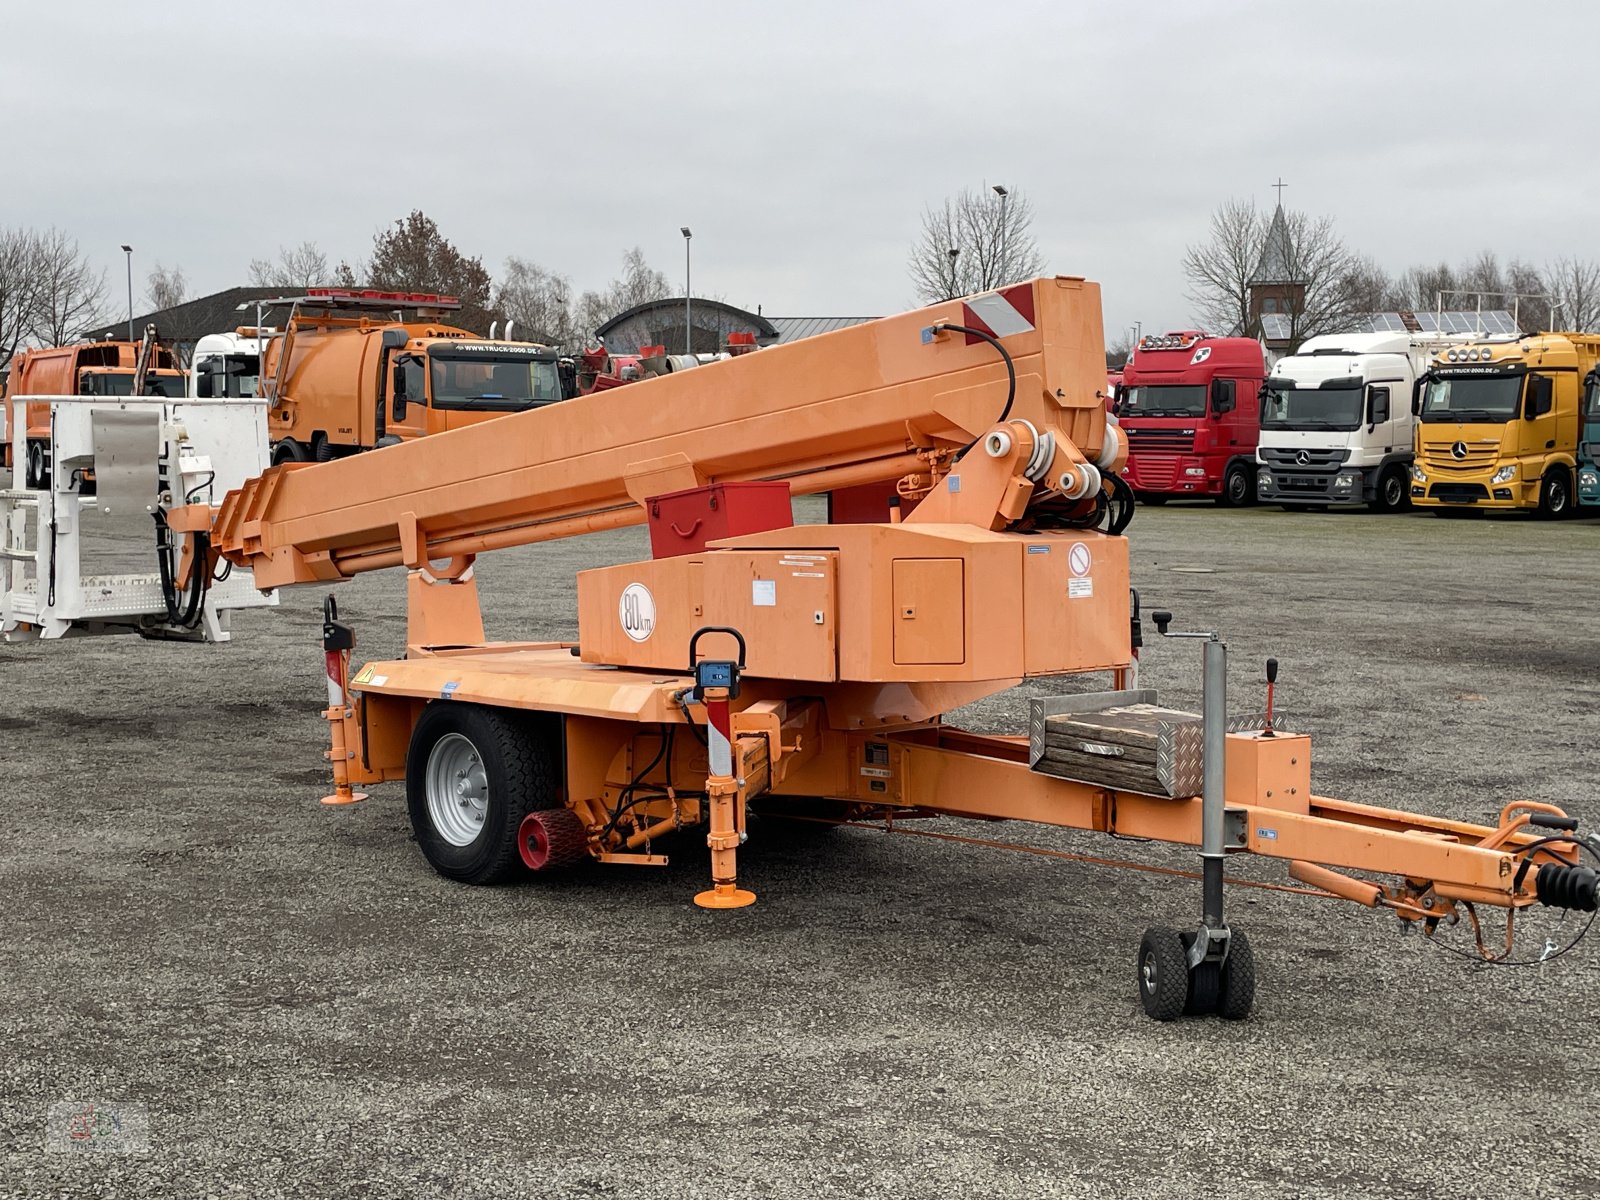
x: 1499, y: 423
x: 1187, y: 402
x: 356, y: 370
x: 1337, y: 428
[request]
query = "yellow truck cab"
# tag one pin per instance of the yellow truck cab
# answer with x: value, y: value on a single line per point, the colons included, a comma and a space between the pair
x: 1497, y: 424
x: 356, y: 370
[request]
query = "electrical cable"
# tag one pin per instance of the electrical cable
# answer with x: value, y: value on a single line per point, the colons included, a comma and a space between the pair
x: 1011, y: 374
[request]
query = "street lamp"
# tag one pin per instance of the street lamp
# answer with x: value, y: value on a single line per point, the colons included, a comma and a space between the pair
x: 128, y: 250
x: 954, y: 253
x: 1002, y: 266
x: 688, y: 325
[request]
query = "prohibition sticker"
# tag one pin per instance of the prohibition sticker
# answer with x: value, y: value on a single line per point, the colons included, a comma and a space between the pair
x: 1078, y: 560
x: 636, y: 610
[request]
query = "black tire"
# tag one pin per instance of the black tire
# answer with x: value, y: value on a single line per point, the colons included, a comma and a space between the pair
x: 322, y: 449
x: 519, y: 775
x: 1163, y: 973
x: 1238, y: 487
x: 1555, y: 495
x: 289, y: 451
x: 1238, y: 981
x: 1392, y: 493
x: 37, y: 471
x: 1152, y: 501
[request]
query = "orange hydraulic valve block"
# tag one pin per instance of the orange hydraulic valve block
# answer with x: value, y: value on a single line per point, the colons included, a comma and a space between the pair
x: 338, y: 639
x: 716, y: 682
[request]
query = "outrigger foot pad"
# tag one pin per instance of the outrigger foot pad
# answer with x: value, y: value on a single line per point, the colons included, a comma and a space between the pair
x: 725, y: 895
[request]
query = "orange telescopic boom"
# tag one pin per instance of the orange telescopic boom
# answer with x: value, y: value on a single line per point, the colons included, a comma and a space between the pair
x: 852, y: 641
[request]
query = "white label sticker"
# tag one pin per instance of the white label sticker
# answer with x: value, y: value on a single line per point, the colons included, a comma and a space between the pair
x: 377, y: 680
x: 809, y: 574
x: 637, y: 611
x: 1078, y: 559
x: 764, y: 592
x: 877, y: 773
x: 1078, y: 588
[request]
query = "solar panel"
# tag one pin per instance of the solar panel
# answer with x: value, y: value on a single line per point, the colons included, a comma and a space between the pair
x: 1275, y: 326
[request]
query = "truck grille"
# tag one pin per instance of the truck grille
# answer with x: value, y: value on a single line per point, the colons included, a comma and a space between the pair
x: 1437, y: 456
x: 1458, y: 493
x: 1154, y: 472
x: 1175, y: 441
x: 1316, y: 459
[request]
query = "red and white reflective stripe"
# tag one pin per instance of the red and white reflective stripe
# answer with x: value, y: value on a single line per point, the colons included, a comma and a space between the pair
x: 335, y: 664
x: 1001, y: 313
x: 719, y: 732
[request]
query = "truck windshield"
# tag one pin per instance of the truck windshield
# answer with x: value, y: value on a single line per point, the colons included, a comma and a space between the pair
x: 493, y: 384
x: 120, y: 383
x: 1479, y: 398
x: 1311, y: 408
x: 1163, y: 400
x: 1591, y: 400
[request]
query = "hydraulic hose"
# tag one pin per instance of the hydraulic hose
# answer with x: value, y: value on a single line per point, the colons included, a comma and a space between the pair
x: 1011, y: 374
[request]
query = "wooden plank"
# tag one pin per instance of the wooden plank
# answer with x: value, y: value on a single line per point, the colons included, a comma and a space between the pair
x: 1071, y: 750
x: 1104, y: 774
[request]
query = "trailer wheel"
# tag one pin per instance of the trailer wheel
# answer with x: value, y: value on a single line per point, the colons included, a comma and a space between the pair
x: 322, y: 449
x: 472, y: 775
x: 289, y: 451
x: 1238, y: 981
x: 1391, y: 494
x: 1555, y: 495
x: 1163, y: 973
x: 1238, y: 488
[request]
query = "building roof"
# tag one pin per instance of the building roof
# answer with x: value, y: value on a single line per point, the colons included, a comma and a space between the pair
x: 193, y: 319
x: 1276, y: 253
x: 792, y: 329
x: 760, y: 325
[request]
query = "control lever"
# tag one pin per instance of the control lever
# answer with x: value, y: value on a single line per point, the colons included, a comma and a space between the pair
x: 1272, y: 680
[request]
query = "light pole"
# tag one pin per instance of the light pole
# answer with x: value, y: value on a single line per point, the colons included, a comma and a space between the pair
x: 128, y: 250
x: 688, y: 324
x: 954, y: 253
x: 1000, y: 267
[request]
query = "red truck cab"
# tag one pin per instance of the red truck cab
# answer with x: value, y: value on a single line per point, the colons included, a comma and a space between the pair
x: 1190, y: 407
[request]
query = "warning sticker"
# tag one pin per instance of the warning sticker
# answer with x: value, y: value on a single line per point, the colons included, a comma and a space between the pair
x: 1079, y: 561
x: 764, y: 593
x: 364, y: 675
x: 1079, y: 588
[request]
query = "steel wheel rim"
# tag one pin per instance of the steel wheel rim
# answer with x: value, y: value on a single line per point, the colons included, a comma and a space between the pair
x: 1147, y: 972
x: 1558, y: 495
x: 1238, y: 487
x: 457, y: 790
x: 1392, y: 492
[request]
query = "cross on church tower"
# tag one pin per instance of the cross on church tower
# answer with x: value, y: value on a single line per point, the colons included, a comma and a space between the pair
x: 1279, y: 186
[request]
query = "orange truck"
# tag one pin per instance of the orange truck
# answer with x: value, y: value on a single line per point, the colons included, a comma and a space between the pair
x: 357, y: 370
x: 83, y: 369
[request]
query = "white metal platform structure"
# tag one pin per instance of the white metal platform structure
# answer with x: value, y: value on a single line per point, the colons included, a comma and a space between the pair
x: 90, y: 552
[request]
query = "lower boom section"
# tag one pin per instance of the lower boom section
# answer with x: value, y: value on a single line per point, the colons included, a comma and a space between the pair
x: 523, y: 756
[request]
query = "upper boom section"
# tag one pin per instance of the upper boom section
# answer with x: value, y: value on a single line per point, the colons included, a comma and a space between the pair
x: 850, y: 407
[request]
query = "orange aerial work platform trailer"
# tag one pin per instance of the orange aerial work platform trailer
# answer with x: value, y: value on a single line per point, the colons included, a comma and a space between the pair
x: 809, y: 668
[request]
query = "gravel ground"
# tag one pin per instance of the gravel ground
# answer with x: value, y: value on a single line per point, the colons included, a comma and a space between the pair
x: 300, y: 1006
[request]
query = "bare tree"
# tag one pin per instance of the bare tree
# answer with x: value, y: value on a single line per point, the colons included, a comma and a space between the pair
x: 1119, y: 350
x: 537, y: 300
x: 1575, y: 285
x: 166, y: 287
x: 302, y: 266
x: 1220, y: 269
x: 638, y: 284
x: 69, y: 295
x: 990, y: 235
x: 18, y: 288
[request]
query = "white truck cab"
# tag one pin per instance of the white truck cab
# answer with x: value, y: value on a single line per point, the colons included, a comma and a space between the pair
x: 227, y: 365
x: 1336, y: 422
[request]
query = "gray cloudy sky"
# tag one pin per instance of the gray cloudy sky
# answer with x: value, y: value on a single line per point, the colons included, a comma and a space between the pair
x: 800, y: 141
